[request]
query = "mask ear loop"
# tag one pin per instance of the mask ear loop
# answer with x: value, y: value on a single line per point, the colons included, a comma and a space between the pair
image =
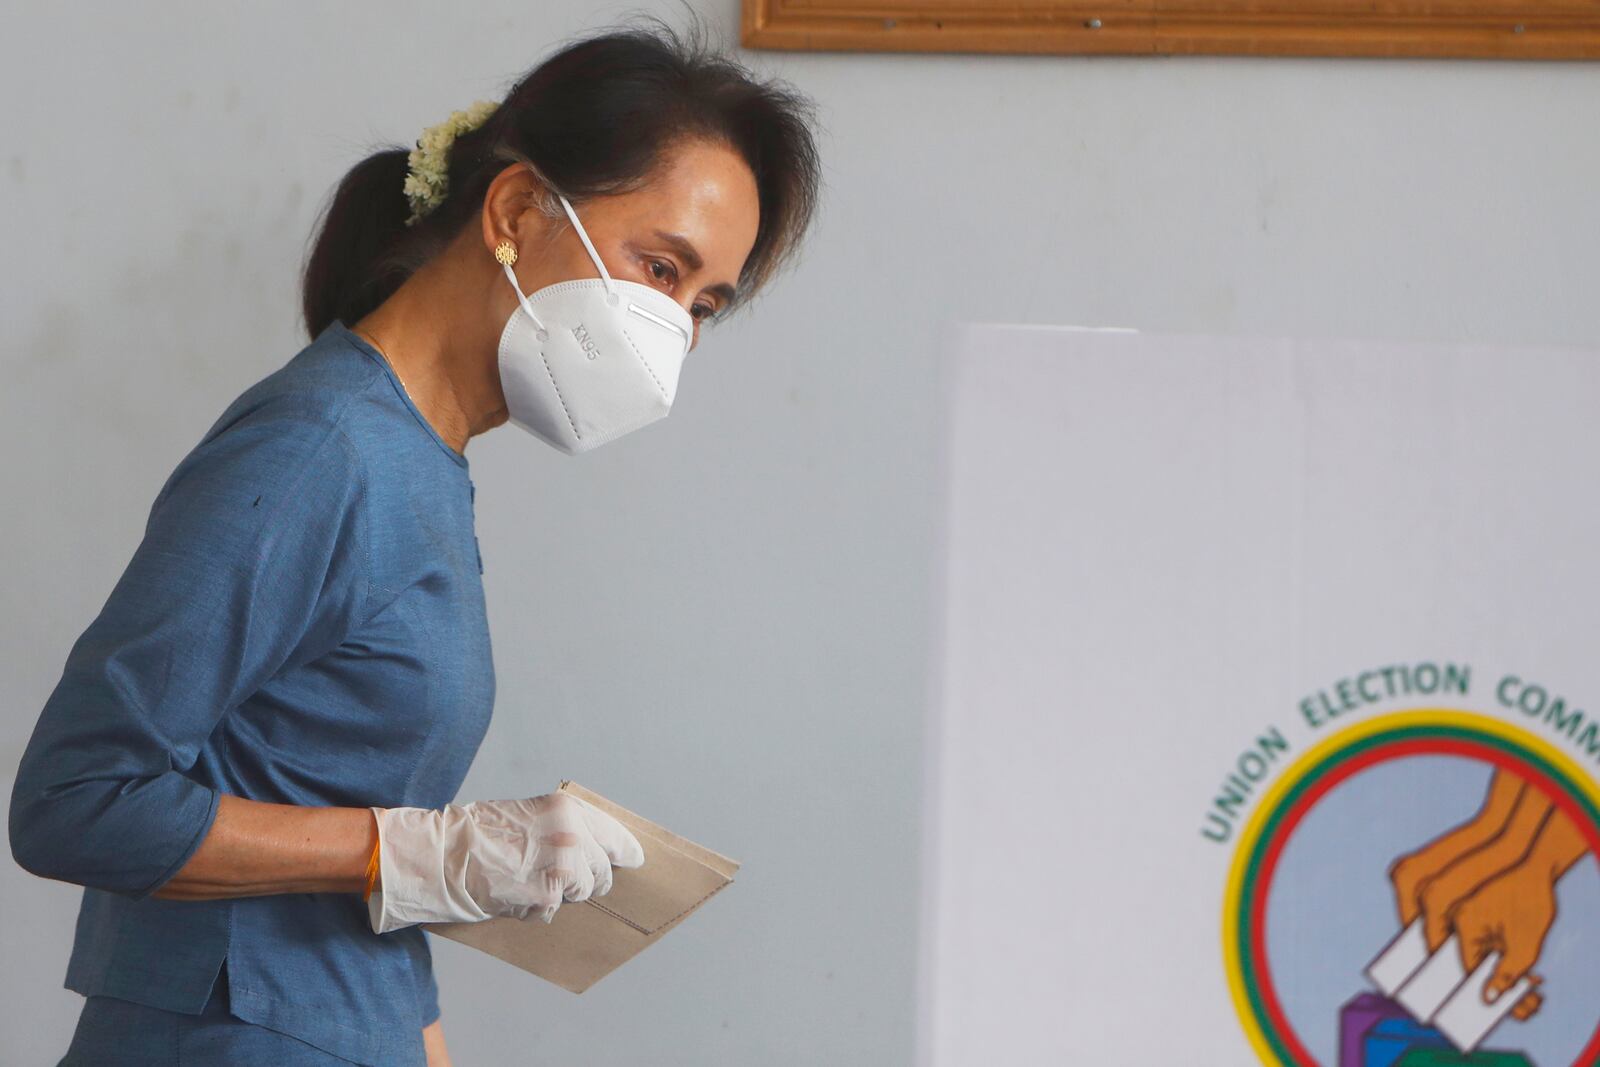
x: 611, y: 286
x: 523, y: 300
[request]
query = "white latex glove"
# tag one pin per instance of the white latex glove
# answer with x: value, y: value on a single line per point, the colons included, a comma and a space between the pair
x: 492, y: 858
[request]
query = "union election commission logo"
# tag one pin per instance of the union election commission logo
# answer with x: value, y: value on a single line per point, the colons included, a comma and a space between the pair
x: 1418, y: 889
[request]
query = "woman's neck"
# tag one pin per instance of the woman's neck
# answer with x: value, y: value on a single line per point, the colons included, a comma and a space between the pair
x: 435, y: 333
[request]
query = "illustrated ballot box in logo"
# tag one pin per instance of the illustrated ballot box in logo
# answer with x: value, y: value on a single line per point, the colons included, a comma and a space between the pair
x: 1442, y: 1058
x: 1357, y: 1019
x: 1392, y: 1040
x: 1374, y: 1031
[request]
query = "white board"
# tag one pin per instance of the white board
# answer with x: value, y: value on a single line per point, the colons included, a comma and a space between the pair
x: 1184, y: 568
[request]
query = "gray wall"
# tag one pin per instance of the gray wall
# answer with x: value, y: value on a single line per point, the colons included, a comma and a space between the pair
x: 723, y: 621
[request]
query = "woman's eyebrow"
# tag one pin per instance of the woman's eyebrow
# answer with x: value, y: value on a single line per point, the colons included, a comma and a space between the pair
x: 680, y: 244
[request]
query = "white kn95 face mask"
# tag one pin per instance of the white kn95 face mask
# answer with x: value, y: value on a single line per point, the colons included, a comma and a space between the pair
x: 583, y: 362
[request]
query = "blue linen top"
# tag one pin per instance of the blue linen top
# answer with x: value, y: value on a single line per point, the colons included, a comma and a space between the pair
x: 302, y: 623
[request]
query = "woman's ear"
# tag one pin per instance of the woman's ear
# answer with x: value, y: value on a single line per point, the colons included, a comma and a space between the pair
x: 513, y: 208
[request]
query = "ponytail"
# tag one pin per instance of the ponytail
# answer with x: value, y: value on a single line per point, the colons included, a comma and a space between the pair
x: 351, y: 269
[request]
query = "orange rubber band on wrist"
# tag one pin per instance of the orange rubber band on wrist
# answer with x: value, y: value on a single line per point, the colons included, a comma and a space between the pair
x: 372, y: 870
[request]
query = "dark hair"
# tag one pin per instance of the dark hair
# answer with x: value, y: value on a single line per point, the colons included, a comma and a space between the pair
x: 594, y: 119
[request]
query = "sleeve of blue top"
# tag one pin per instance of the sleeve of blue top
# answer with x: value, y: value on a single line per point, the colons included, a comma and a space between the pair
x: 253, y: 558
x: 428, y: 989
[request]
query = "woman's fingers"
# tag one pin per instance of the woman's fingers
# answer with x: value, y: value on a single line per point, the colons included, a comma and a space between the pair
x: 580, y: 880
x: 599, y: 865
x: 567, y: 851
x: 622, y: 849
x: 563, y: 855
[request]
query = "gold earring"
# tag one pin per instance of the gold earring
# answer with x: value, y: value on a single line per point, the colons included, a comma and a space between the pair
x: 506, y: 253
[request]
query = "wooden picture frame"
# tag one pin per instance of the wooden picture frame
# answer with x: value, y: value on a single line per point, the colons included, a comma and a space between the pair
x: 1480, y: 29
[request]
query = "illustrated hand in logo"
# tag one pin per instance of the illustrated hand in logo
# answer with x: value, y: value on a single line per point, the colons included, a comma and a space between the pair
x: 1411, y: 872
x: 1492, y: 881
x: 1514, y: 911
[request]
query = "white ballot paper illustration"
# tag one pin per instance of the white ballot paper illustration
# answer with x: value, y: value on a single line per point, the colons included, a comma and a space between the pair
x: 1403, y: 958
x: 1436, y: 989
x: 1465, y: 1018
x: 589, y: 939
x: 1440, y: 976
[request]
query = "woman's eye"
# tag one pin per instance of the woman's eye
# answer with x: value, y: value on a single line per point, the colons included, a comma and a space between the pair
x: 661, y: 270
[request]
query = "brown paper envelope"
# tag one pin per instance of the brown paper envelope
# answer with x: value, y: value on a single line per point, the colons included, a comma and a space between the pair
x: 589, y: 939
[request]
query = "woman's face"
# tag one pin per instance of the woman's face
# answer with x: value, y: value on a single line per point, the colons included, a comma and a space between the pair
x: 687, y: 233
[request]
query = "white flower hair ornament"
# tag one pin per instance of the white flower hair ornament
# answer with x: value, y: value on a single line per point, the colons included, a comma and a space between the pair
x: 427, y: 180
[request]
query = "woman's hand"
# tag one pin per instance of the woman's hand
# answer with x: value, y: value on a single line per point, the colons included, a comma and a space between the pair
x: 476, y: 861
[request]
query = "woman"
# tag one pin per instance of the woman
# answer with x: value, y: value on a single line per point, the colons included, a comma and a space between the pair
x: 248, y: 760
